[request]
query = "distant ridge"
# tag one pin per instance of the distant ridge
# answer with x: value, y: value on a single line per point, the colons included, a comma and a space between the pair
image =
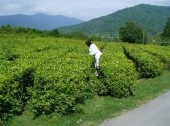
x: 38, y: 21
x: 151, y: 17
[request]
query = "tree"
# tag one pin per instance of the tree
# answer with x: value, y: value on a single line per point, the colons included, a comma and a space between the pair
x: 78, y: 35
x: 166, y: 31
x: 132, y: 33
x: 55, y: 33
x: 7, y: 29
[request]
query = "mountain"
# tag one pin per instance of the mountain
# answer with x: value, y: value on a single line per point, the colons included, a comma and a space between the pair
x: 38, y: 21
x: 151, y: 17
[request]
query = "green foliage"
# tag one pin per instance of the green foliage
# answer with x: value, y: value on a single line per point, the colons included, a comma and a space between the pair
x: 162, y: 52
x: 53, y: 75
x: 132, y: 33
x: 14, y: 93
x: 99, y: 109
x: 151, y: 17
x: 120, y: 72
x: 8, y: 29
x: 146, y: 64
x: 61, y: 89
x: 12, y: 57
x: 77, y: 35
x: 166, y: 31
x: 55, y: 33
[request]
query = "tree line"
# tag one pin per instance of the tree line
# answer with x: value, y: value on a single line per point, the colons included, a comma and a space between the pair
x: 134, y: 33
x: 130, y: 32
x: 8, y: 29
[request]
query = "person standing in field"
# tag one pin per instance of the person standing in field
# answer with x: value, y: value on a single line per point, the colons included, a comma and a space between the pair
x: 96, y: 53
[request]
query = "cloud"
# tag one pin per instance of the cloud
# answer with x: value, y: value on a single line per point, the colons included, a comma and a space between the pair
x: 85, y: 10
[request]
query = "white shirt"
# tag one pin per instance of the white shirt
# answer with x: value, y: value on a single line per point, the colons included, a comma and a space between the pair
x: 93, y: 50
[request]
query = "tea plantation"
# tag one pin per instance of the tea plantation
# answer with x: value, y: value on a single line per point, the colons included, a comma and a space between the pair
x: 53, y: 75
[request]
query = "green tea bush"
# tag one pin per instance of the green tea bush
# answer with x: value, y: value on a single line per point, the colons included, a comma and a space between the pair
x: 61, y: 87
x: 162, y: 52
x: 15, y: 81
x: 9, y: 104
x: 119, y: 71
x: 146, y: 64
x: 14, y: 93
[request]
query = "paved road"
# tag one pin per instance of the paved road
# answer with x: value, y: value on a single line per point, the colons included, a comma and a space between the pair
x: 154, y: 113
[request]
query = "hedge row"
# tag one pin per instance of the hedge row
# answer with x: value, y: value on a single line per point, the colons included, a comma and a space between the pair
x: 16, y: 78
x: 162, y: 52
x: 120, y: 72
x: 147, y: 64
x: 14, y: 92
x: 62, y: 84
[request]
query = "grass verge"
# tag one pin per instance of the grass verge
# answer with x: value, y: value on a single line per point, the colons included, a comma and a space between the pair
x: 98, y: 109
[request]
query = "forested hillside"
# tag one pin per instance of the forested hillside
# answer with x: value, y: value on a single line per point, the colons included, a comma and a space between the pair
x: 151, y: 17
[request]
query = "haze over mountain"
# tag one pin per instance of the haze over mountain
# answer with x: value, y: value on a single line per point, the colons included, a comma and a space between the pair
x: 151, y: 17
x: 38, y: 21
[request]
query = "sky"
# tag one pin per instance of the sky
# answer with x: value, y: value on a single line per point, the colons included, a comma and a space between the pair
x: 81, y: 9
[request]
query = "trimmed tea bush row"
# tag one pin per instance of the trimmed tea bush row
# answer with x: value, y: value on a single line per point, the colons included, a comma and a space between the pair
x: 62, y: 84
x: 14, y: 93
x: 120, y: 72
x: 162, y: 52
x: 16, y: 79
x: 147, y: 64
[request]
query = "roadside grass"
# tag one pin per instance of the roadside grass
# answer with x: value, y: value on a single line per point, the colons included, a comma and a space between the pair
x: 98, y: 109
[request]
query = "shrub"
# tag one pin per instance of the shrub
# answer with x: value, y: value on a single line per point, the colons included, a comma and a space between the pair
x: 146, y: 64
x: 62, y: 87
x: 161, y: 52
x: 120, y: 72
x: 14, y: 93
